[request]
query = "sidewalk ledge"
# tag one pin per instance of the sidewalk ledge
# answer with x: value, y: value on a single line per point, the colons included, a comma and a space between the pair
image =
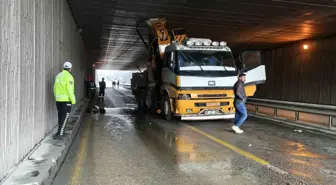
x: 42, y: 164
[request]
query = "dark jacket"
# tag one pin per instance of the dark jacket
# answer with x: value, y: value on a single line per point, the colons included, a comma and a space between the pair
x: 102, y: 86
x: 239, y: 92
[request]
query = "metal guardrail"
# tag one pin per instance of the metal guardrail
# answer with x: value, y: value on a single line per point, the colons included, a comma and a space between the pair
x: 128, y: 86
x: 297, y: 104
x: 297, y: 107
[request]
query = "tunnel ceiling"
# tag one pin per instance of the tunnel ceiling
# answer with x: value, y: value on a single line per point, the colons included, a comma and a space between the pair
x: 109, y: 26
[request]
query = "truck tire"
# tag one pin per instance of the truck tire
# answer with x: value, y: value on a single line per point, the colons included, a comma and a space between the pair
x: 154, y: 103
x: 166, y: 108
x: 141, y: 100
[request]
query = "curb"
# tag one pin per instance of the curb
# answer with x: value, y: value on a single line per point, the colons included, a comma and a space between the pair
x: 43, y: 163
x: 305, y: 127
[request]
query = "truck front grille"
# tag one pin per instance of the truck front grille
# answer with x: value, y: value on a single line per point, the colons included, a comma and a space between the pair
x: 212, y: 95
x: 203, y: 104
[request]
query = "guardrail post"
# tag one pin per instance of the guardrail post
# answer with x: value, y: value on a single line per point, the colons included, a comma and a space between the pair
x: 275, y: 112
x: 330, y: 121
x: 257, y: 109
x: 296, y: 115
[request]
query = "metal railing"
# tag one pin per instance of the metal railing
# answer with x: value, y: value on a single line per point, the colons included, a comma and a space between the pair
x: 320, y: 112
x: 127, y: 86
x: 297, y: 108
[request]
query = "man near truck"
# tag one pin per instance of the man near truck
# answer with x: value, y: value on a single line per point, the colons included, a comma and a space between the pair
x: 64, y: 92
x: 239, y: 103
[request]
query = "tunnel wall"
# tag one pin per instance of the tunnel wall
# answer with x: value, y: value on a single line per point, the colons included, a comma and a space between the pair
x: 36, y: 37
x: 298, y: 75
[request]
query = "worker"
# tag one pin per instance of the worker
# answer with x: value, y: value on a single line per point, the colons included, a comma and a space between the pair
x: 87, y: 87
x: 64, y: 92
x: 239, y: 103
x: 88, y: 83
x: 93, y: 88
x: 102, y: 87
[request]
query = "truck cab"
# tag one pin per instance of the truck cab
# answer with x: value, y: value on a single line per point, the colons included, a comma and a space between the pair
x: 198, y: 77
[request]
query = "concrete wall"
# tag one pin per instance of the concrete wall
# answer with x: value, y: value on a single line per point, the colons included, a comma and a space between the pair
x: 295, y: 74
x: 36, y: 37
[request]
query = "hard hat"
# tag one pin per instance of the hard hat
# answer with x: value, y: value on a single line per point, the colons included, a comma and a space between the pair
x: 67, y: 65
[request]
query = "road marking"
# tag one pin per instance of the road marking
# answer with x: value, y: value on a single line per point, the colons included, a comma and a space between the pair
x: 77, y: 171
x: 234, y: 148
x: 240, y: 151
x: 276, y: 169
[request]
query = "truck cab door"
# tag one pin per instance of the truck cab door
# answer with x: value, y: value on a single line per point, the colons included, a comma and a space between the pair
x: 252, y: 65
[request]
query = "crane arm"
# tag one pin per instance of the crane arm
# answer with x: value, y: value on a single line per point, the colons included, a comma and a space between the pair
x: 158, y: 30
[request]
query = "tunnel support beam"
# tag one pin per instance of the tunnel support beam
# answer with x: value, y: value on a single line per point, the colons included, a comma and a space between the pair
x: 142, y: 39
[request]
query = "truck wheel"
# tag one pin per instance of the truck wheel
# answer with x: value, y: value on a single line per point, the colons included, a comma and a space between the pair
x: 154, y: 103
x: 167, y: 109
x: 148, y: 99
x: 141, y: 101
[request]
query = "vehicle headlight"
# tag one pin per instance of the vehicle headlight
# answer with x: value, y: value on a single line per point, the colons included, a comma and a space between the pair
x: 184, y: 96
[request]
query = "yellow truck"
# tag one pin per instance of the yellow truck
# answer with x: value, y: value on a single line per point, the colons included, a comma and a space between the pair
x: 192, y: 78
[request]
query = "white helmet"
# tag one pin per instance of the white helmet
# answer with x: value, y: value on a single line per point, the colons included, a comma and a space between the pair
x: 67, y: 65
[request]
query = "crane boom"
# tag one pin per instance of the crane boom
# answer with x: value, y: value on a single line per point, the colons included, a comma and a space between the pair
x: 158, y: 31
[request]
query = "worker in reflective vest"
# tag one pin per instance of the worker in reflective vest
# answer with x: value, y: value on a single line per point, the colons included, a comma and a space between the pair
x: 64, y: 92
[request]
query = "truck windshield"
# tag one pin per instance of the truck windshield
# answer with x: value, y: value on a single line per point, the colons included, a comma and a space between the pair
x: 205, y: 60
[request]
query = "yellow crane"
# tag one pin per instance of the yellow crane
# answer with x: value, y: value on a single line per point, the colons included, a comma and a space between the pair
x: 192, y: 78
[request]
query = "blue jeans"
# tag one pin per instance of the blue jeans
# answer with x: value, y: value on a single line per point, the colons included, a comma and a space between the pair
x: 241, y: 113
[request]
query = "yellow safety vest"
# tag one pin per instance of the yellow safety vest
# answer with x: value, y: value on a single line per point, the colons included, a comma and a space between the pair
x: 64, y: 87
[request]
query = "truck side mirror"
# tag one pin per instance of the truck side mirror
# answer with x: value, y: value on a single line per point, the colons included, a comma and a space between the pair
x: 239, y: 63
x: 172, y: 65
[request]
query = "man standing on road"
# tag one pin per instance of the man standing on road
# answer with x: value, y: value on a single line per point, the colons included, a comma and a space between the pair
x: 102, y: 87
x: 64, y: 92
x: 239, y: 103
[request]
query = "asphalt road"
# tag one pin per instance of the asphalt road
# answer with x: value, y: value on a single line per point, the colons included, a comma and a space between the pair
x: 126, y: 147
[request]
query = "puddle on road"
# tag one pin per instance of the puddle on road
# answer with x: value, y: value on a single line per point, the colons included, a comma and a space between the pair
x: 329, y: 172
x: 330, y: 150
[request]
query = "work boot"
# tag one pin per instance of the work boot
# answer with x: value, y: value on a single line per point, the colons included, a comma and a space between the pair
x: 57, y: 137
x: 237, y: 129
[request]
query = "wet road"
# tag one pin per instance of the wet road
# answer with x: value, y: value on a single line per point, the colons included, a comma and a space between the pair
x: 123, y: 147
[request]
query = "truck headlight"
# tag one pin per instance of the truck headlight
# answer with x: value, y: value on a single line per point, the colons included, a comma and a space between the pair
x: 184, y: 96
